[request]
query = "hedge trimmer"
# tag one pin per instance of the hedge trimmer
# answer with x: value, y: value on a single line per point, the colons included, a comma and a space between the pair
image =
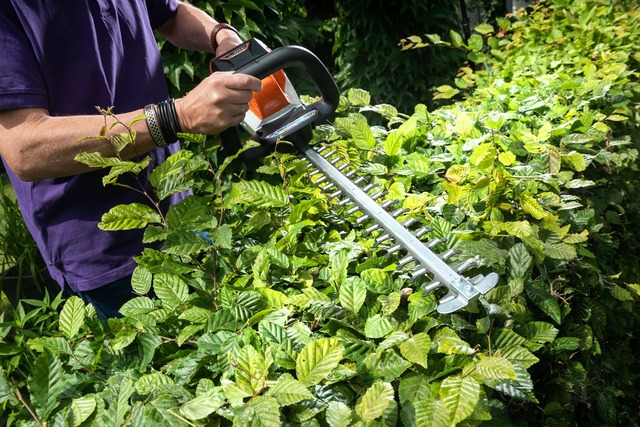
x: 277, y: 113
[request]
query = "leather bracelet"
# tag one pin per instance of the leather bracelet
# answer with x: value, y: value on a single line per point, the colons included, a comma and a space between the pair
x: 163, y: 122
x: 216, y: 30
x: 168, y: 120
x: 154, y: 127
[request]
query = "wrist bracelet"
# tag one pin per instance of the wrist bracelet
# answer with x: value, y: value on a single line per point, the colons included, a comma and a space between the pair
x: 154, y: 127
x: 214, y: 34
x: 168, y: 120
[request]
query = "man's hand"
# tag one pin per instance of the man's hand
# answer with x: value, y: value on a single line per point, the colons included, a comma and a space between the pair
x: 220, y: 101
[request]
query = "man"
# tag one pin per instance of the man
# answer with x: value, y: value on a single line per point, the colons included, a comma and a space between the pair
x: 59, y: 61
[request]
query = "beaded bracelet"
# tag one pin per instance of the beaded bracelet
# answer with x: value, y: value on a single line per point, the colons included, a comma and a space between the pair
x: 154, y: 126
x: 214, y: 34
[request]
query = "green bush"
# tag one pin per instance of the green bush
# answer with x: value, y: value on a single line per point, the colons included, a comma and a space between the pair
x: 277, y: 23
x: 285, y: 313
x: 367, y: 53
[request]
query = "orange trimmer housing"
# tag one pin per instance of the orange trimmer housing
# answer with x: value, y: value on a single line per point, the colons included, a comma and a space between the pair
x: 276, y: 112
x: 278, y: 96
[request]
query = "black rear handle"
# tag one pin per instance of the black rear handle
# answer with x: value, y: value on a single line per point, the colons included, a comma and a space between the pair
x: 299, y: 57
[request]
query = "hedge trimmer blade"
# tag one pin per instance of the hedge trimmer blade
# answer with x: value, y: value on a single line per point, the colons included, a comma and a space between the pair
x: 461, y: 291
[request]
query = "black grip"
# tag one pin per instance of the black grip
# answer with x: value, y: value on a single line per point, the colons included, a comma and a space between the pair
x: 299, y: 57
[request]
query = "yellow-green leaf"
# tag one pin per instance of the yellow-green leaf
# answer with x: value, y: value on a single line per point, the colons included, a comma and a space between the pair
x: 288, y: 391
x: 531, y: 206
x: 460, y: 396
x: 416, y: 349
x: 317, y: 359
x: 72, y: 316
x: 374, y: 401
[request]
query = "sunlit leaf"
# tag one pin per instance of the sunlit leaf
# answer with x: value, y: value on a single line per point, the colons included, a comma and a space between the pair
x: 460, y: 396
x: 72, y: 316
x: 374, y: 401
x: 317, y: 359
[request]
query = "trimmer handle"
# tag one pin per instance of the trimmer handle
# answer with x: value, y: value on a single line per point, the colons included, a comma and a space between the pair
x: 299, y: 57
x: 252, y: 58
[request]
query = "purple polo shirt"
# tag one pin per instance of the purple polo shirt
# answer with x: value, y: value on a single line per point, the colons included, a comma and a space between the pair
x: 69, y: 57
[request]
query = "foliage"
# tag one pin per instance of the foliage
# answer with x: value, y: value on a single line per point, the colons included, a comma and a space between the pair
x: 277, y: 22
x: 273, y: 308
x: 20, y: 260
x: 367, y: 54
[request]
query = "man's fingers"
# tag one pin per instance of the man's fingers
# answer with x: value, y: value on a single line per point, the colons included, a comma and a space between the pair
x: 243, y: 82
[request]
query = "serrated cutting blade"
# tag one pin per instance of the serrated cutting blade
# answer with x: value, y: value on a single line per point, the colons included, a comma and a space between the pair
x: 461, y: 291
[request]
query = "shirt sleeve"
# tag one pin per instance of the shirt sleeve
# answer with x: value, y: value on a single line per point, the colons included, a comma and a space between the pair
x: 160, y: 11
x: 21, y: 82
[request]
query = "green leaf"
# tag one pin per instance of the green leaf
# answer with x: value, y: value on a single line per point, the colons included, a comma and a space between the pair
x: 46, y: 383
x: 519, y: 229
x: 261, y: 194
x: 80, y: 409
x: 531, y: 206
x: 261, y: 411
x: 6, y: 390
x: 288, y: 391
x: 357, y: 127
x: 460, y: 396
x: 560, y: 251
x: 575, y: 160
x: 251, y: 370
x: 374, y: 401
x: 129, y: 217
x: 317, y: 359
x: 379, y: 326
x: 454, y: 345
x: 543, y: 299
x: 358, y: 97
x: 475, y: 42
x: 203, y: 405
x: 72, y: 316
x: 539, y: 332
x: 520, y: 261
x: 123, y: 339
x: 518, y: 355
x: 393, y: 143
x: 171, y: 290
x: 491, y: 368
x: 338, y: 414
x: 149, y: 383
x: 121, y: 390
x: 464, y: 123
x: 416, y: 348
x: 141, y: 280
x: 149, y: 342
x: 184, y: 243
x: 456, y: 38
x: 431, y: 413
x: 56, y: 345
x: 484, y: 29
x: 353, y: 294
x: 169, y: 177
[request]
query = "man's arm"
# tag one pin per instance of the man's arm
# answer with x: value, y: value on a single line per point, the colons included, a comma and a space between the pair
x: 191, y: 27
x: 36, y: 145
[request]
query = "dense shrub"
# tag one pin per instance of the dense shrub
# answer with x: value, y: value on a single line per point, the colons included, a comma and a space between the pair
x: 285, y: 313
x: 277, y: 22
x: 367, y: 53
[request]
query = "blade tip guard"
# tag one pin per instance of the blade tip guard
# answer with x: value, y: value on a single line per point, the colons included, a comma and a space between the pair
x: 455, y: 301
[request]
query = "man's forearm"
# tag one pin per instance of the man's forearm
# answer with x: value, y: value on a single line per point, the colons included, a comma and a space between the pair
x: 189, y: 28
x: 37, y: 146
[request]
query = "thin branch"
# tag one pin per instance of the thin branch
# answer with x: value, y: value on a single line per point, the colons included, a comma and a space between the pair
x: 24, y: 402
